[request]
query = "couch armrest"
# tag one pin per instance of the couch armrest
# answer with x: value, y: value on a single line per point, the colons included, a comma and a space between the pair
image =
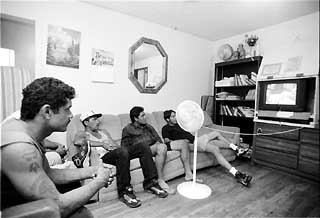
x: 40, y: 208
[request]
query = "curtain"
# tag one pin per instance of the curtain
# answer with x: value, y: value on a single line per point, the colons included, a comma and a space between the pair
x: 13, y: 80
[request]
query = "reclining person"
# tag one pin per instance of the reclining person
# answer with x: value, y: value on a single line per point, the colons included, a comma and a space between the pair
x: 172, y: 132
x: 112, y: 153
x: 138, y: 132
x: 25, y: 172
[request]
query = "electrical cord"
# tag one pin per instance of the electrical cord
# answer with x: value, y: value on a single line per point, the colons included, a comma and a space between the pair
x: 253, y: 134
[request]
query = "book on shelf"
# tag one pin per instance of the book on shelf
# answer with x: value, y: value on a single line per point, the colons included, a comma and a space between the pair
x: 227, y: 96
x: 247, y: 111
x: 229, y: 113
x: 243, y: 80
x: 254, y: 76
x: 239, y: 111
x: 251, y: 94
x: 226, y: 81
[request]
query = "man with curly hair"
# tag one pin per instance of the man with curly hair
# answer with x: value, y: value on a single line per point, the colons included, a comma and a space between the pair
x: 25, y: 172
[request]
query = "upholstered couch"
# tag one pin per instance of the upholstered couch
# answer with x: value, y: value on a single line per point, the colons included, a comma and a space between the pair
x: 173, y: 167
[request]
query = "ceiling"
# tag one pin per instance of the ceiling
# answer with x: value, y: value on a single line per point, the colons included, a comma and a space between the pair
x: 215, y: 19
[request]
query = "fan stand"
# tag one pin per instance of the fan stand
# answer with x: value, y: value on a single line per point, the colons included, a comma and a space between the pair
x: 192, y: 189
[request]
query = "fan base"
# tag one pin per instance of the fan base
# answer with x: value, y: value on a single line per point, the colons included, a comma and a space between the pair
x: 194, y: 190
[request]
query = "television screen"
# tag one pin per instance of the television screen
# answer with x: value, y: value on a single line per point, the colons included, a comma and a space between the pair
x: 281, y: 93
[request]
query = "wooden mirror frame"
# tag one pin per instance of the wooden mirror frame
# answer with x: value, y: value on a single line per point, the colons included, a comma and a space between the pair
x: 131, y: 65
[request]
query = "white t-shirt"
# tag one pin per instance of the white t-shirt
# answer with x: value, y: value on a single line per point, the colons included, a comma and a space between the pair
x: 104, y: 138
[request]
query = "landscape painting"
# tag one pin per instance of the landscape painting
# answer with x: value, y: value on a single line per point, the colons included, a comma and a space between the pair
x: 63, y: 47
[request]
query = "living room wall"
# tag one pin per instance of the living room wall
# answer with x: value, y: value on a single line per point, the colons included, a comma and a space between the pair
x: 299, y: 36
x: 188, y: 64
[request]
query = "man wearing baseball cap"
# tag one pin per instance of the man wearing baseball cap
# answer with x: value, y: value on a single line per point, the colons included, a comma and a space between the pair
x: 112, y: 153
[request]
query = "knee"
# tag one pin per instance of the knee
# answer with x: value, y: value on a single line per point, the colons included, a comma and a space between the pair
x: 161, y: 149
x: 123, y: 153
x: 185, y: 145
x: 214, y: 149
x: 144, y: 147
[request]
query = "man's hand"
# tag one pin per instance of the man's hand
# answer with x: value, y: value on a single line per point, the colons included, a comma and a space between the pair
x: 62, y: 150
x: 108, y: 146
x: 105, y: 174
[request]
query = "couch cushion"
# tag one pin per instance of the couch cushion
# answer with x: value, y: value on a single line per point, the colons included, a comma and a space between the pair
x: 153, y: 122
x: 111, y: 123
x: 124, y: 120
x: 158, y: 116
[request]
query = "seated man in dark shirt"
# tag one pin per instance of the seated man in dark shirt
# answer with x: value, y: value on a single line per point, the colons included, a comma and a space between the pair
x: 138, y: 132
x: 172, y: 132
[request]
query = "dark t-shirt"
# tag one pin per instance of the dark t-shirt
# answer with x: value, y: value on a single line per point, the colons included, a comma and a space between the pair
x: 175, y: 133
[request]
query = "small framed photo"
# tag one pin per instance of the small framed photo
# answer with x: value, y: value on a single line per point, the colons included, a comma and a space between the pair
x: 271, y: 69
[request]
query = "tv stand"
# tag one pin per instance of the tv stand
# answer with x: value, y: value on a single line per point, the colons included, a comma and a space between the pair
x: 295, y: 150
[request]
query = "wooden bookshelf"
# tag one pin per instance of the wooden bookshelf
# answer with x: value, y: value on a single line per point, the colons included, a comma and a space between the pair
x: 231, y: 95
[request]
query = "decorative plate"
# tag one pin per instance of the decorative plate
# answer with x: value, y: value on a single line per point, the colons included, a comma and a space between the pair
x: 225, y: 52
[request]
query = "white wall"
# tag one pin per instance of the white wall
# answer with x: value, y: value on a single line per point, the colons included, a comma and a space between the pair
x: 188, y: 63
x: 288, y: 39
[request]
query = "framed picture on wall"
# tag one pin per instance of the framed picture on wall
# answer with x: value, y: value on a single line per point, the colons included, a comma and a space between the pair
x: 102, y: 63
x: 63, y: 47
x: 271, y: 69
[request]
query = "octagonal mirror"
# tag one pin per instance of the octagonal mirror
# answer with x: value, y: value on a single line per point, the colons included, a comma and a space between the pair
x: 148, y: 64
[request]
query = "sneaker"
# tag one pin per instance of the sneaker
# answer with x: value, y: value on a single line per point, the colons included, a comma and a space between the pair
x: 158, y: 191
x: 166, y: 187
x: 240, y: 151
x: 129, y: 198
x: 243, y: 178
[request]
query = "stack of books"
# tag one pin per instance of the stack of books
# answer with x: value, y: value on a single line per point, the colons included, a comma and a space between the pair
x: 243, y: 80
x: 227, y: 96
x: 239, y: 111
x: 226, y: 81
x: 246, y: 111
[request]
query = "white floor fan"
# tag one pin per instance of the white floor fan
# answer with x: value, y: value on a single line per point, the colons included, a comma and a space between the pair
x: 190, y: 117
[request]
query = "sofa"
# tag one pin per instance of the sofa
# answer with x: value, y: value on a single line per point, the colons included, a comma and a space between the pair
x: 173, y: 167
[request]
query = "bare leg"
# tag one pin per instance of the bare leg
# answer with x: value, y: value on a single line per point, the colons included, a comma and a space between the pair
x: 220, y: 158
x: 183, y: 147
x: 160, y: 152
x: 219, y: 140
x: 217, y: 136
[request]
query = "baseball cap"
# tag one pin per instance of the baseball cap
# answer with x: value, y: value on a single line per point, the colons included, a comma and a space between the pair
x: 89, y: 114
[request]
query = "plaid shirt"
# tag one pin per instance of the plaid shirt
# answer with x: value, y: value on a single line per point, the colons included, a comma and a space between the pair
x: 133, y: 134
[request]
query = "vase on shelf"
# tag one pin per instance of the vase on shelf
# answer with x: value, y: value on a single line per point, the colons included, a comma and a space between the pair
x: 241, y: 51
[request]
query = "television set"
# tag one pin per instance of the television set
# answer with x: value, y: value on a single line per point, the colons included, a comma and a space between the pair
x: 283, y: 95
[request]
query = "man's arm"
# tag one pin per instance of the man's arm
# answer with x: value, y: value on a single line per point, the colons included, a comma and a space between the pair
x: 110, y: 139
x: 165, y: 134
x: 125, y: 137
x: 50, y: 145
x: 64, y: 176
x: 154, y: 133
x: 23, y: 165
x: 109, y: 144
